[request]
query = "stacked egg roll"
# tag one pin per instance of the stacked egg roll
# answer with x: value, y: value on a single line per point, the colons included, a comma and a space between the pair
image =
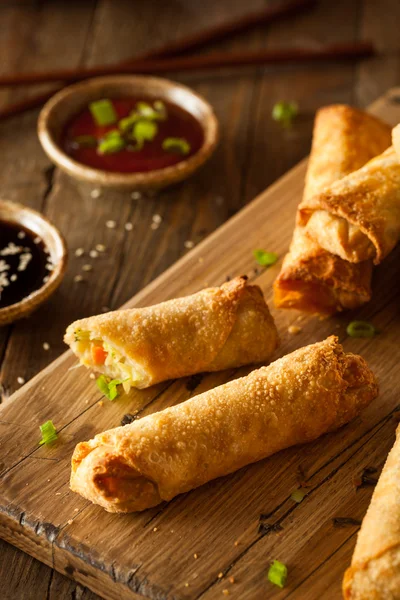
x: 374, y: 573
x: 296, y: 399
x: 313, y: 279
x: 217, y: 328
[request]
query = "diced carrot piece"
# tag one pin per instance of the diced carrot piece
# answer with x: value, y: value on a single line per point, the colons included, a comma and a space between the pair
x: 99, y: 355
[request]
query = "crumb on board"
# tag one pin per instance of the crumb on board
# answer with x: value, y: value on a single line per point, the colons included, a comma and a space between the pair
x: 195, y: 555
x: 136, y: 195
x: 78, y: 278
x: 46, y: 346
x: 294, y: 329
x: 79, y: 252
x: 58, y: 493
x: 110, y: 224
x: 225, y: 592
x: 92, y: 376
x: 189, y: 244
x: 20, y: 380
x: 231, y: 580
x: 186, y: 584
x: 70, y: 521
x: 154, y: 225
x: 96, y: 193
x: 76, y: 509
x: 101, y: 403
x: 155, y: 528
x: 101, y: 248
x: 128, y: 226
x: 220, y: 575
x: 236, y: 543
x: 87, y: 268
x: 93, y: 254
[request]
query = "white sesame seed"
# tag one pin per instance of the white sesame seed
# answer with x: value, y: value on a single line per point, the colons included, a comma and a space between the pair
x: 21, y: 235
x: 37, y: 240
x: 93, y: 254
x: 87, y: 267
x: 92, y: 376
x: 128, y: 226
x: 189, y: 244
x: 46, y: 278
x: 111, y: 224
x: 79, y: 252
x: 154, y: 226
x: 157, y: 218
x: 100, y: 248
x: 20, y: 380
x: 78, y: 278
x: 136, y: 195
x: 13, y: 277
x: 46, y: 346
x: 96, y: 193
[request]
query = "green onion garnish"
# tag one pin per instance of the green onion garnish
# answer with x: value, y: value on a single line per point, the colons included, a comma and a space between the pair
x: 285, y: 112
x: 360, y: 329
x: 265, y: 259
x: 144, y: 131
x: 277, y: 573
x: 172, y: 144
x: 111, y: 143
x: 49, y: 433
x: 85, y: 141
x: 109, y: 388
x: 157, y: 112
x: 103, y: 112
x: 297, y: 495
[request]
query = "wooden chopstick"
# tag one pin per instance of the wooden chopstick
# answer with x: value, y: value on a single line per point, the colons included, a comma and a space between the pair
x: 194, y: 63
x: 185, y: 44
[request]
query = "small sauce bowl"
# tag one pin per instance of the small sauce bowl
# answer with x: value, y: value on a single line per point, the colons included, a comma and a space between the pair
x: 30, y: 219
x: 70, y: 101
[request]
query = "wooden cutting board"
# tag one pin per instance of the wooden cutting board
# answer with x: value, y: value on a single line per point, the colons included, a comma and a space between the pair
x: 219, y: 539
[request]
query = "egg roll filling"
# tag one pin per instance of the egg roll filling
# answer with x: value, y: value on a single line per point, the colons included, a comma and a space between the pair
x: 102, y: 356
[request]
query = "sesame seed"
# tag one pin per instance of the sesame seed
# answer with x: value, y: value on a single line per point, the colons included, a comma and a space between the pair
x: 46, y: 346
x: 21, y: 235
x: 45, y: 279
x: 58, y: 493
x: 128, y: 226
x: 154, y: 226
x: 157, y: 218
x: 294, y: 329
x: 136, y: 195
x: 100, y: 248
x: 220, y: 575
x: 79, y: 252
x: 92, y: 376
x: 13, y: 277
x: 93, y: 254
x: 189, y: 244
x: 87, y: 267
x: 78, y: 278
x: 37, y: 240
x: 20, y: 380
x: 111, y: 224
x: 96, y: 193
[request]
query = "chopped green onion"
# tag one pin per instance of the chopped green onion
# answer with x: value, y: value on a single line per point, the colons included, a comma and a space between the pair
x: 360, y: 329
x: 127, y: 123
x: 49, y: 433
x: 297, y: 495
x: 277, y: 573
x: 265, y: 259
x: 109, y: 388
x: 111, y: 143
x: 143, y: 131
x: 103, y: 112
x: 157, y: 112
x: 285, y: 112
x: 172, y: 144
x: 85, y: 141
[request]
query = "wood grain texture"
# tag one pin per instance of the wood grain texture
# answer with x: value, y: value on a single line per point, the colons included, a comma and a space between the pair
x: 253, y: 153
x: 151, y: 554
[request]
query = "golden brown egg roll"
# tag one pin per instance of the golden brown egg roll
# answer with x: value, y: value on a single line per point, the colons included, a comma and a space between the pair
x: 312, y: 279
x: 374, y: 573
x: 358, y: 217
x: 217, y: 328
x: 294, y: 400
x: 396, y: 140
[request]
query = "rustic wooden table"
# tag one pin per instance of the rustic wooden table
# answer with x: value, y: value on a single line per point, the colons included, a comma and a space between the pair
x: 253, y: 152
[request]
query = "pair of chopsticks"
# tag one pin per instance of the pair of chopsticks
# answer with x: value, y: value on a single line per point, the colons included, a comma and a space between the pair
x: 165, y: 58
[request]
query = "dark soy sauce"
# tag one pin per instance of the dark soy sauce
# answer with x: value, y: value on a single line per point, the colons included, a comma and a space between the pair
x: 25, y: 264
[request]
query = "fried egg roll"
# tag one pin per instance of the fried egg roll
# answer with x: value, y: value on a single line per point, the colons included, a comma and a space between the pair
x: 217, y: 328
x: 296, y: 399
x: 374, y: 573
x: 358, y: 217
x: 396, y: 140
x: 312, y: 279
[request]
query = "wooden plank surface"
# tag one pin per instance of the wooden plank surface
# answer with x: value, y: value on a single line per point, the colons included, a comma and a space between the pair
x: 151, y: 554
x: 253, y: 152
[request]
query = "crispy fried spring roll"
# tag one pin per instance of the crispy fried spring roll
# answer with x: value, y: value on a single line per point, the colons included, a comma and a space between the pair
x: 375, y: 567
x: 312, y: 279
x: 396, y: 140
x: 294, y: 400
x: 217, y: 328
x: 358, y: 217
